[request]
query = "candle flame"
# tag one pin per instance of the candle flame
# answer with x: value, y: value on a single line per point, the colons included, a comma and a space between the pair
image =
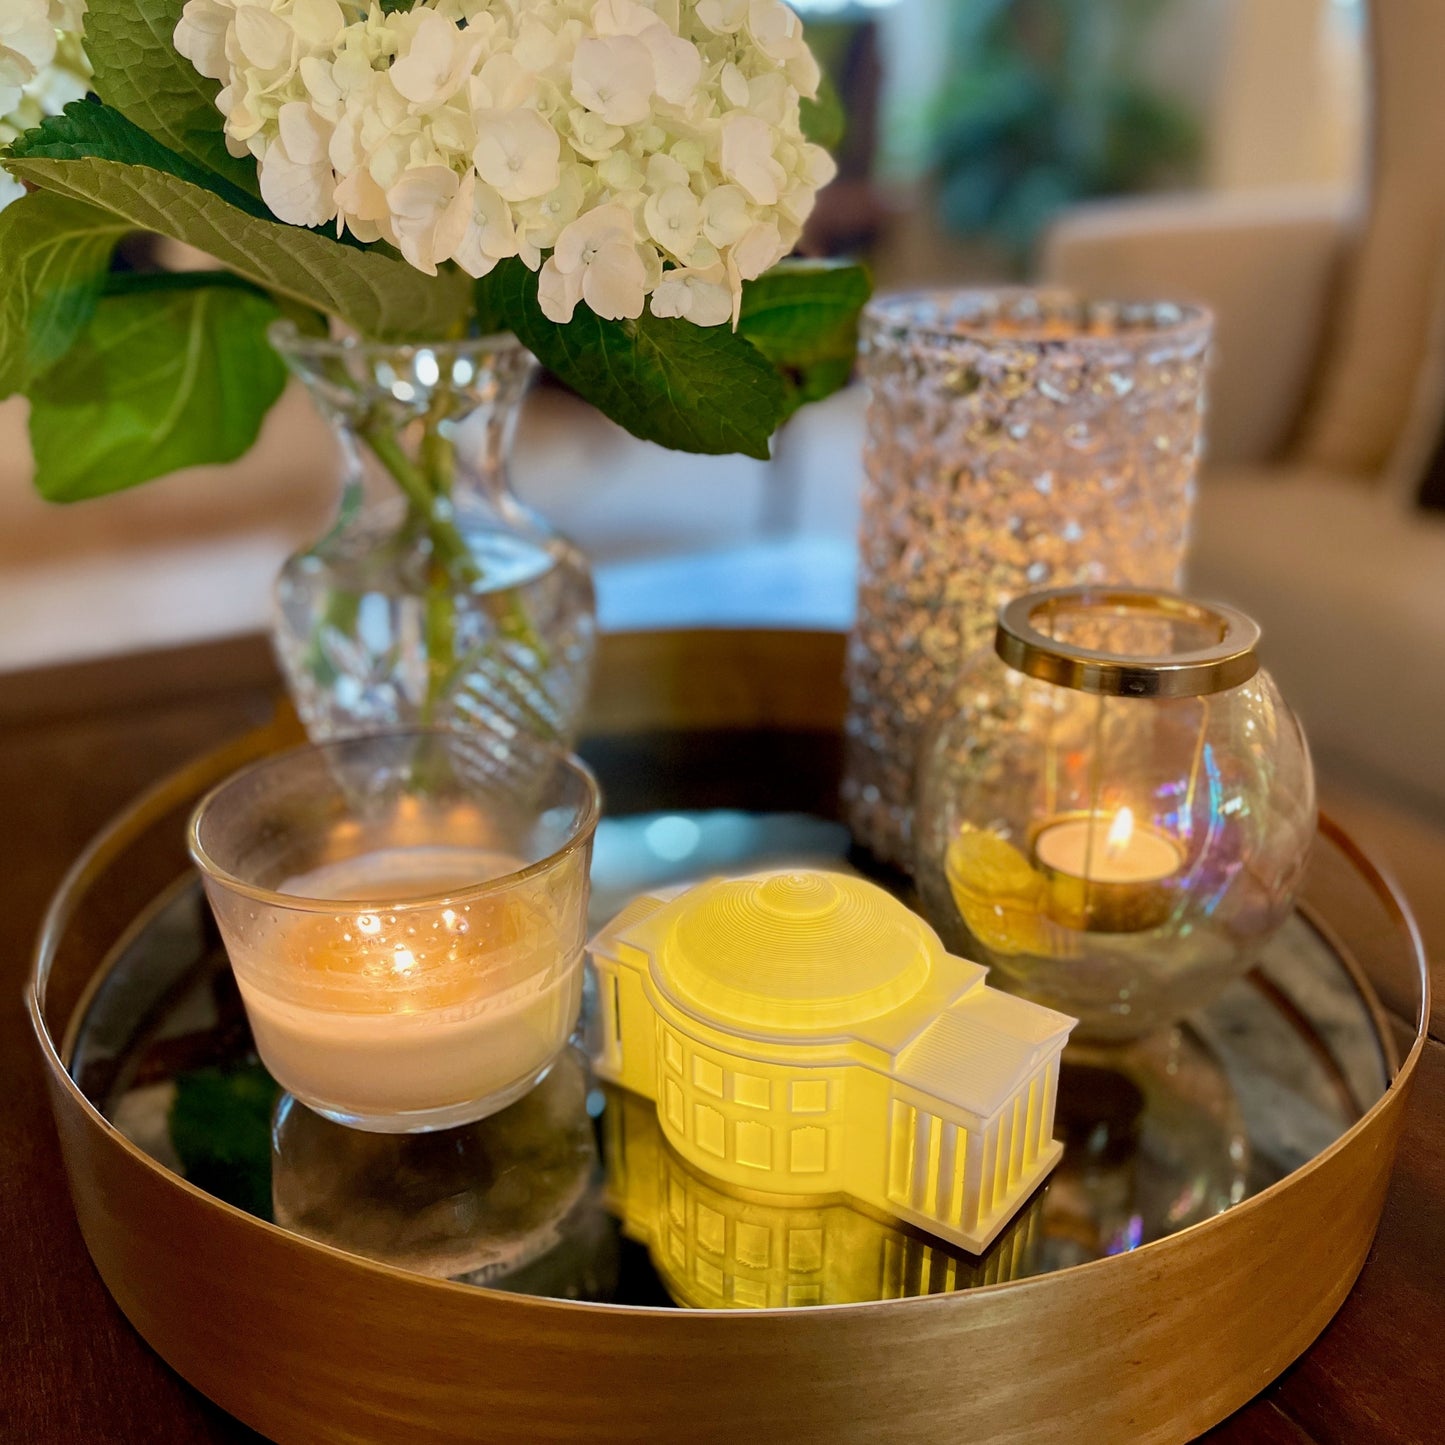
x: 1120, y: 832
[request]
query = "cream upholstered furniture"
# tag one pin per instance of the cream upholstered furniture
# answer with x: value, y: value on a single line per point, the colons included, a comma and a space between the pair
x: 1329, y: 398
x: 1284, y: 85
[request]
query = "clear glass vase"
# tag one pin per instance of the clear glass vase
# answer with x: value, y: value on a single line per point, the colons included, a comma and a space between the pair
x: 436, y: 598
x: 1016, y: 440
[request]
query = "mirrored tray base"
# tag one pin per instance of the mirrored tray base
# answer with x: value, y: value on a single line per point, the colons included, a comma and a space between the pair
x: 572, y: 1193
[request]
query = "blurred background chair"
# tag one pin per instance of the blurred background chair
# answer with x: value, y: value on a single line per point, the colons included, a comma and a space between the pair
x: 1327, y: 404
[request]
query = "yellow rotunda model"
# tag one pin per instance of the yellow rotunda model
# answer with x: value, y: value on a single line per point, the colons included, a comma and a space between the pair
x: 806, y: 1034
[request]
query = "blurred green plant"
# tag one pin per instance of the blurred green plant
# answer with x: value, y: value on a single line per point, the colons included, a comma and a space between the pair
x: 1050, y: 104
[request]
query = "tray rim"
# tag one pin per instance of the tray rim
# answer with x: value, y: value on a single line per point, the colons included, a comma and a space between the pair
x: 93, y: 1147
x: 55, y: 1058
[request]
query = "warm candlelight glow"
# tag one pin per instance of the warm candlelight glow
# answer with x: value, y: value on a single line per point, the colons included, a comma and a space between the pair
x: 1107, y: 874
x: 426, y: 1007
x: 1114, y: 805
x: 1103, y: 850
x: 405, y: 928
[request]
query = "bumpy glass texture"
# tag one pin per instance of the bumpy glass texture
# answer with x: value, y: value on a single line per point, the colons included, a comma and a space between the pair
x: 406, y: 932
x: 436, y: 597
x: 1120, y: 859
x: 1017, y: 440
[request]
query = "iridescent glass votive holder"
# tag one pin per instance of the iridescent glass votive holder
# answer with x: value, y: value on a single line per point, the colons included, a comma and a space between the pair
x: 1016, y: 440
x: 1115, y: 807
x: 406, y: 928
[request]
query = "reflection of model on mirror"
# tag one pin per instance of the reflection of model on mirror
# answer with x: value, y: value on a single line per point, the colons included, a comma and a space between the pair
x: 717, y: 1246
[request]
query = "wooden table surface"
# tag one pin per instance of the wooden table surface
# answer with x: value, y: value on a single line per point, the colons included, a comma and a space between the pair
x: 77, y: 743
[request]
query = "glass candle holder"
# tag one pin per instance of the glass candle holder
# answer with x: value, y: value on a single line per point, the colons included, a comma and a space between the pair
x: 1017, y: 440
x: 405, y: 926
x: 1116, y: 806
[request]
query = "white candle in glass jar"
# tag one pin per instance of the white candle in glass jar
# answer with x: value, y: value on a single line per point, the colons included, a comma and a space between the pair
x: 379, y: 1014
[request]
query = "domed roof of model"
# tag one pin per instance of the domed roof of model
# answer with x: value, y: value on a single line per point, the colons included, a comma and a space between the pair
x: 797, y: 953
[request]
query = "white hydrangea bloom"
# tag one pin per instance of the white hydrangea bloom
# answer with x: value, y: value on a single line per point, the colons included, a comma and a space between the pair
x: 42, y: 69
x: 701, y: 296
x: 27, y: 46
x: 597, y: 260
x: 625, y: 149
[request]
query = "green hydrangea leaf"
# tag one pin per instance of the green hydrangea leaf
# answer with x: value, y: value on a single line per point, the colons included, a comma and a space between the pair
x: 146, y: 283
x: 816, y: 382
x: 803, y: 311
x: 88, y: 130
x: 824, y: 120
x: 691, y: 388
x: 54, y: 254
x: 220, y: 1127
x: 93, y: 154
x: 165, y: 376
x: 138, y: 71
x: 803, y: 316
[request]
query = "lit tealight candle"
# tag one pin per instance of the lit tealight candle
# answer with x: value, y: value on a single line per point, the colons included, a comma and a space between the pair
x: 1107, y: 875
x: 1100, y: 850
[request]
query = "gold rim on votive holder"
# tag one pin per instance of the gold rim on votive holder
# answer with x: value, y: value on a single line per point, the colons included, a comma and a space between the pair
x: 1024, y: 643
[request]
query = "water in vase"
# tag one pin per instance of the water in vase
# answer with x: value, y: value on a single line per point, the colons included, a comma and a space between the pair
x: 501, y: 649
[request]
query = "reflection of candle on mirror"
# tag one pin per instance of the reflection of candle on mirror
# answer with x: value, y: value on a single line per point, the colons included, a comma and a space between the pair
x: 1108, y: 875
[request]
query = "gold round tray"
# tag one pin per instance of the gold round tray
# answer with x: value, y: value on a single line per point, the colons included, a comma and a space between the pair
x: 307, y: 1343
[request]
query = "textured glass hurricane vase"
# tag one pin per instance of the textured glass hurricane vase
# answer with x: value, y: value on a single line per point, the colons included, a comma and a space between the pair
x: 436, y: 598
x: 1016, y: 440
